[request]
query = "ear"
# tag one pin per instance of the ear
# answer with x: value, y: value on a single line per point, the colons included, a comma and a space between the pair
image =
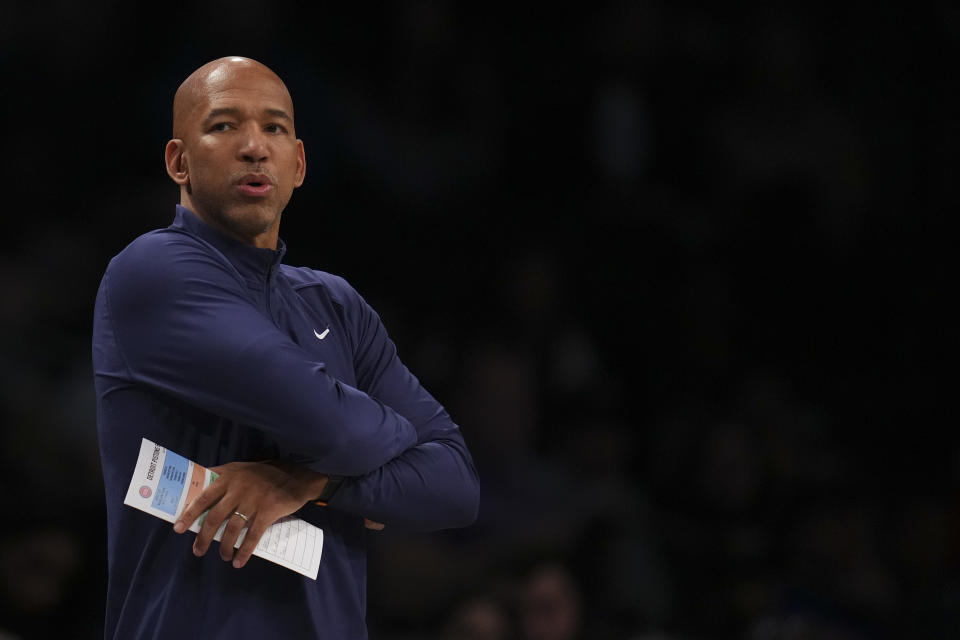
x: 301, y: 164
x: 176, y: 162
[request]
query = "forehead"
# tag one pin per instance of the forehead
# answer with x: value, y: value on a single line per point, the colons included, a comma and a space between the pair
x: 241, y: 88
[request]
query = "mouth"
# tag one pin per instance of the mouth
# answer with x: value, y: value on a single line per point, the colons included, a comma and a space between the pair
x: 255, y: 185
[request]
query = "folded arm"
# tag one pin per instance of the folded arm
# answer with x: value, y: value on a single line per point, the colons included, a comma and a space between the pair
x: 432, y: 485
x: 185, y: 327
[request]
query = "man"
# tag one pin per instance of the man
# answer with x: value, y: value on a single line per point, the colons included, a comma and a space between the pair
x: 282, y: 379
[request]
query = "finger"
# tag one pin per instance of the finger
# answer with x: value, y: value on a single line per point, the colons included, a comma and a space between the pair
x: 255, y: 531
x: 214, y: 519
x: 208, y: 497
x: 235, y: 525
x: 370, y: 524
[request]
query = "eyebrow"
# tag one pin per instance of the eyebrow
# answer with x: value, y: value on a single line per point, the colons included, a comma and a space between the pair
x: 234, y: 111
x: 279, y: 113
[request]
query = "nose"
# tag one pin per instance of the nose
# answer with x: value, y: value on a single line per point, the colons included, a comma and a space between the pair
x: 253, y: 147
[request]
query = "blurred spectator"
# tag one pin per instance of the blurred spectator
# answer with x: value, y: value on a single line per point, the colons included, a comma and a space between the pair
x: 549, y: 604
x: 40, y: 569
x: 479, y: 618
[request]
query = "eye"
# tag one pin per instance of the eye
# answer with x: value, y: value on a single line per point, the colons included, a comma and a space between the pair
x: 220, y: 126
x: 275, y: 127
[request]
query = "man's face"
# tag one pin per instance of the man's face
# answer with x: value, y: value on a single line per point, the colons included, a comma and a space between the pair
x: 240, y: 152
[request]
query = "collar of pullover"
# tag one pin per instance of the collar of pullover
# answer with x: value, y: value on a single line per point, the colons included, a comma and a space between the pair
x: 252, y: 262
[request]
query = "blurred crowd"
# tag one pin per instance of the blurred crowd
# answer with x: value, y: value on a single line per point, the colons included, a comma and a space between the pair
x: 678, y: 273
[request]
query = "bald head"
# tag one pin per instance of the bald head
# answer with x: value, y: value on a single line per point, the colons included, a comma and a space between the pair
x: 217, y: 77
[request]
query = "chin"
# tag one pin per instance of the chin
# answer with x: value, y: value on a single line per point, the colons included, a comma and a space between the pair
x: 248, y: 221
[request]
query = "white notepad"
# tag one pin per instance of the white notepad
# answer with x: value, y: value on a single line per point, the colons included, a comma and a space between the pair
x: 164, y: 482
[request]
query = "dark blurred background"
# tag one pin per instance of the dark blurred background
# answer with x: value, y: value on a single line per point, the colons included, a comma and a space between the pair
x: 682, y: 275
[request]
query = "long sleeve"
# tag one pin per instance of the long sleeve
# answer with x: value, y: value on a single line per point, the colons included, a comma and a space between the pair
x: 184, y: 327
x: 432, y: 485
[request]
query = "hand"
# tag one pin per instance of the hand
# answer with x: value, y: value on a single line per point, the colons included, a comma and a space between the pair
x: 264, y: 492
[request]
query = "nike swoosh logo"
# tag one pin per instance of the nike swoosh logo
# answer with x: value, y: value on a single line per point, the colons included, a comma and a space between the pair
x: 321, y: 336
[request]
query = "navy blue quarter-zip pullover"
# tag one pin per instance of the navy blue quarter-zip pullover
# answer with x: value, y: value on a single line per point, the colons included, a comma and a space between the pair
x: 217, y: 351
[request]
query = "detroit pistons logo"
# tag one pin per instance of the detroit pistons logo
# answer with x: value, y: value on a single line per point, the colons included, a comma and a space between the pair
x: 145, y: 491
